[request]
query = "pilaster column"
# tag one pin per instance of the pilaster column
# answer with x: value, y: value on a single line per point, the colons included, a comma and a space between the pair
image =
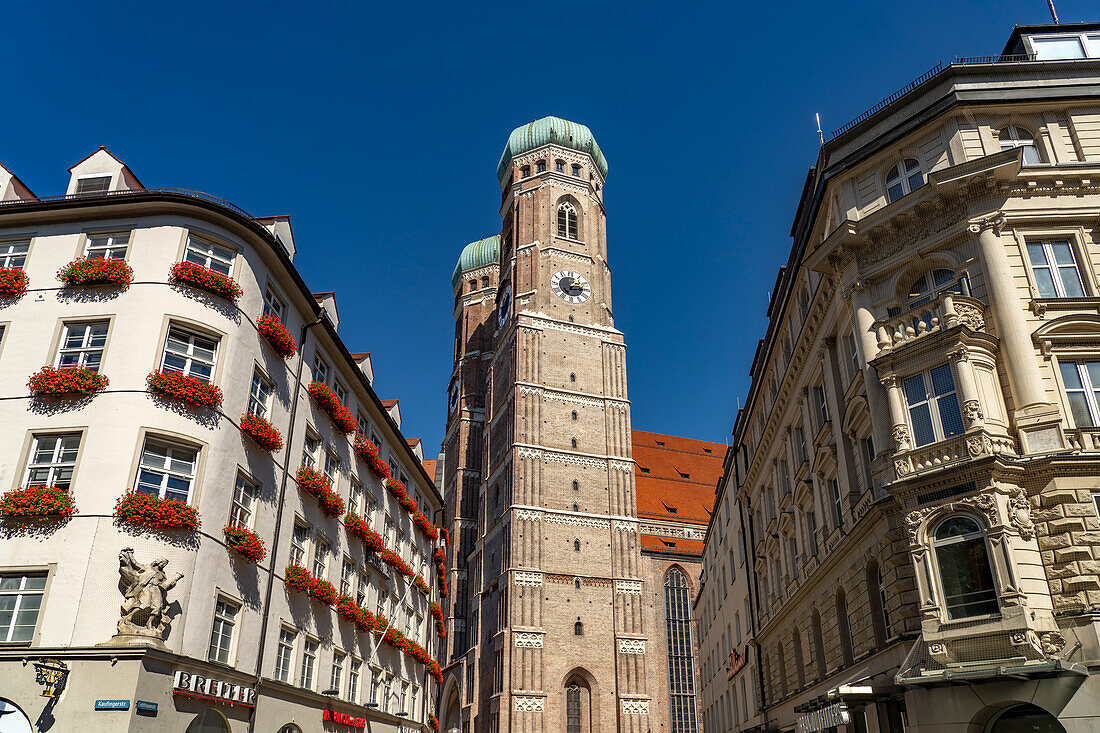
x: 899, y: 431
x: 966, y: 387
x: 1021, y: 364
x: 867, y: 342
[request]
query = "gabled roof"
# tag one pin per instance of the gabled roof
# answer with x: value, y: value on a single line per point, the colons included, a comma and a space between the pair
x: 108, y: 152
x: 389, y: 403
x: 675, y: 477
x: 15, y: 179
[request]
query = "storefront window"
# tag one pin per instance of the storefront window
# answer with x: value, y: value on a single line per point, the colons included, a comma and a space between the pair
x: 209, y: 721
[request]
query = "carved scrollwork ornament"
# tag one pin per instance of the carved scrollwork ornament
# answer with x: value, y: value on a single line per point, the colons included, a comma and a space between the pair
x: 1019, y: 514
x: 901, y: 467
x: 913, y: 522
x: 972, y: 412
x: 900, y: 434
x: 1052, y: 643
x: 975, y: 446
x: 985, y: 503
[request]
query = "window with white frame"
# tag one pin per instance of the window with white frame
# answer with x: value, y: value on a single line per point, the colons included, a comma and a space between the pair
x: 245, y: 494
x: 934, y: 413
x: 320, y: 557
x: 362, y: 424
x: 332, y: 466
x: 259, y: 394
x: 336, y: 679
x: 13, y: 253
x: 1081, y: 380
x: 21, y: 596
x: 1066, y: 46
x: 340, y: 391
x: 853, y: 355
x: 1055, y: 269
x: 82, y: 345
x: 354, y: 673
x: 347, y: 574
x: 221, y: 635
x: 387, y: 693
x: 52, y: 460
x: 166, y: 470
x: 567, y: 220
x: 320, y: 369
x: 963, y: 568
x: 355, y: 494
x: 208, y: 254
x: 93, y: 184
x: 284, y: 655
x: 107, y: 245
x: 837, y: 502
x: 311, y: 450
x: 821, y: 405
x: 401, y: 701
x: 905, y: 177
x: 1013, y: 137
x: 273, y: 304
x: 309, y: 663
x: 361, y: 590
x: 189, y: 353
x: 383, y: 595
x: 299, y: 541
x: 375, y: 681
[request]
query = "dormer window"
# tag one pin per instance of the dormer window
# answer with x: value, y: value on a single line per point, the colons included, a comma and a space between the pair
x: 1066, y: 46
x: 1017, y: 137
x: 93, y: 184
x: 905, y: 177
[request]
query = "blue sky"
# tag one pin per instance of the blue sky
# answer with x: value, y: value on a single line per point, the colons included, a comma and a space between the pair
x: 378, y: 127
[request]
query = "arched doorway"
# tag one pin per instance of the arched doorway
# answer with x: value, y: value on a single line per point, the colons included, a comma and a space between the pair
x: 209, y: 721
x: 1026, y: 718
x: 12, y: 719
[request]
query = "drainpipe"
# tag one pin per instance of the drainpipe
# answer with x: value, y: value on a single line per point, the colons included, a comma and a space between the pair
x: 279, y: 507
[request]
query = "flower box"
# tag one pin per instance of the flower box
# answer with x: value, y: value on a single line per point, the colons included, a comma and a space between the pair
x: 278, y: 335
x: 398, y: 491
x: 13, y: 282
x: 203, y: 278
x: 151, y: 512
x: 93, y: 271
x: 433, y: 721
x: 244, y: 542
x: 297, y: 578
x: 440, y: 624
x: 425, y: 525
x: 323, y: 591
x: 332, y: 503
x: 36, y: 504
x: 332, y: 406
x: 77, y: 380
x: 261, y: 432
x: 358, y: 527
x: 396, y: 562
x: 368, y: 451
x: 422, y: 586
x: 317, y: 484
x: 436, y: 672
x: 190, y: 390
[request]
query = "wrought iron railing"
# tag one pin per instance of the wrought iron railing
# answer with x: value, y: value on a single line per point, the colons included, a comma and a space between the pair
x: 138, y: 192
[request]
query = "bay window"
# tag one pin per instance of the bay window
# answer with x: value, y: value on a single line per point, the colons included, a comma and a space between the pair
x: 962, y: 564
x: 933, y: 405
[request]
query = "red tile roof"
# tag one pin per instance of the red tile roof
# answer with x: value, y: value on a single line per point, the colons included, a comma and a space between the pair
x: 323, y: 295
x: 388, y: 403
x: 429, y: 467
x: 676, y: 477
x: 672, y: 545
x: 360, y: 355
x: 413, y: 442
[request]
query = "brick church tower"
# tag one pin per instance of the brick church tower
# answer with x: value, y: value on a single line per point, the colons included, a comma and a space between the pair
x: 545, y: 624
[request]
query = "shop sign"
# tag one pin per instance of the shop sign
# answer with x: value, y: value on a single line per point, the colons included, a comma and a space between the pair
x: 819, y: 720
x: 112, y: 704
x: 736, y: 662
x: 343, y: 719
x: 145, y: 708
x: 51, y: 674
x: 195, y: 685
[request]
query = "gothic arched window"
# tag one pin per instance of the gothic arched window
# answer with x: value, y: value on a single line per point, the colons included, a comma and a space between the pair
x: 578, y: 629
x: 574, y: 414
x: 1017, y: 137
x: 576, y: 507
x: 681, y: 653
x: 576, y: 544
x: 905, y: 177
x: 567, y: 220
x: 576, y: 485
x: 819, y: 645
x: 578, y: 704
x: 574, y: 443
x: 962, y: 563
x: 572, y: 377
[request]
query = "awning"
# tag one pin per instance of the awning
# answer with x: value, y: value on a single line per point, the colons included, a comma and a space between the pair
x: 819, y: 720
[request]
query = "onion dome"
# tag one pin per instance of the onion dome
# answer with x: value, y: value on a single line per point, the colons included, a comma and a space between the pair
x: 551, y: 130
x: 477, y: 254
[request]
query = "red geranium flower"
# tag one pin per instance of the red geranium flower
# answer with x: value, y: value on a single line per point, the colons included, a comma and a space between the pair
x: 203, y: 278
x: 368, y: 451
x: 440, y: 624
x: 323, y: 591
x: 96, y: 271
x: 76, y: 380
x: 425, y: 525
x: 278, y: 335
x: 261, y: 431
x: 295, y: 577
x: 151, y: 512
x: 332, y: 406
x: 244, y: 542
x: 358, y: 527
x: 36, y: 504
x: 396, y: 562
x: 13, y: 282
x: 191, y: 390
x: 433, y: 721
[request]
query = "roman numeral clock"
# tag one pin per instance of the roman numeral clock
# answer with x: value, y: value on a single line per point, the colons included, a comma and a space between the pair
x: 570, y: 286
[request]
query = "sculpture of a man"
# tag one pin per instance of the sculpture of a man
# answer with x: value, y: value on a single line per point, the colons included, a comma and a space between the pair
x: 144, y: 591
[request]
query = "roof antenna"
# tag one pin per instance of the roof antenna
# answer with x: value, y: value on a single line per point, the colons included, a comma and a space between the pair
x: 821, y: 135
x: 1053, y: 12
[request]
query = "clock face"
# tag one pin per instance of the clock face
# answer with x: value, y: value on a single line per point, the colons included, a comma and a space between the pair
x: 505, y: 306
x: 570, y: 286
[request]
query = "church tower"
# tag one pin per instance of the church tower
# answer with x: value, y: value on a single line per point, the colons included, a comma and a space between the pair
x: 554, y: 636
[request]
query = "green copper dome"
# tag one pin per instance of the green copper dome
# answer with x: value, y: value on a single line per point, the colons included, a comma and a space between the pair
x: 550, y: 130
x: 477, y: 254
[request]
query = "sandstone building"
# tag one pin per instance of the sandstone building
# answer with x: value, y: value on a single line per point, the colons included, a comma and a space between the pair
x: 241, y: 652
x: 574, y: 540
x: 914, y: 479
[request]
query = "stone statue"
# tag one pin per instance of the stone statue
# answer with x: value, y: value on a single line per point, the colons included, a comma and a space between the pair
x: 144, y: 591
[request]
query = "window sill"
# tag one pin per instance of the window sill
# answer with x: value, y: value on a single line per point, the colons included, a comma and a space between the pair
x: 1039, y: 306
